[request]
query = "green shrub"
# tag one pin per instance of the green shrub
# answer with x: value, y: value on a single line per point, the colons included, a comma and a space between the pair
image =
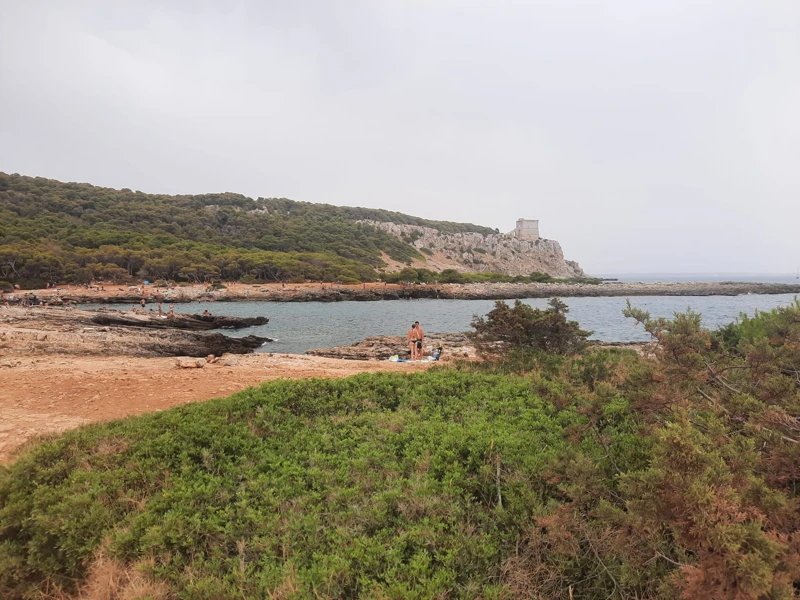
x: 521, y: 327
x: 377, y: 485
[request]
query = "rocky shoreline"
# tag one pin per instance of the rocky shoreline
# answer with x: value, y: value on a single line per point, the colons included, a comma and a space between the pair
x: 51, y: 330
x: 153, y: 320
x: 454, y: 346
x: 471, y: 291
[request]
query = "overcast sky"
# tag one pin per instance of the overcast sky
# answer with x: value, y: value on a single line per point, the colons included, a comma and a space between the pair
x: 646, y: 136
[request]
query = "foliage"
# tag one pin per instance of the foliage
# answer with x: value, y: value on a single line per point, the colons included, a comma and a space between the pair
x: 422, y: 275
x: 522, y: 327
x: 726, y: 464
x: 52, y: 232
x: 778, y: 325
x: 374, y: 486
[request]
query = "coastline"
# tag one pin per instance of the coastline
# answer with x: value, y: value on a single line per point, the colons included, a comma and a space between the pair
x: 331, y: 292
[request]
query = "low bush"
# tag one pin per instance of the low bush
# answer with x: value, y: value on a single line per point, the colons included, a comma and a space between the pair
x: 522, y: 327
x: 377, y: 485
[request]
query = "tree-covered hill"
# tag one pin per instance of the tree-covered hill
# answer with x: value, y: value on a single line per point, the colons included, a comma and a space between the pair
x: 52, y: 231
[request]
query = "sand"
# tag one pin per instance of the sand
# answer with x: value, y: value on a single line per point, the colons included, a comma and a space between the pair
x: 44, y: 395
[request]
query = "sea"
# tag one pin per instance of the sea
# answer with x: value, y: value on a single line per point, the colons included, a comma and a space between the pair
x: 704, y: 277
x: 300, y: 326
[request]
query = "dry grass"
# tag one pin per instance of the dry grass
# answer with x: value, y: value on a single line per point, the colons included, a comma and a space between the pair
x: 109, y: 579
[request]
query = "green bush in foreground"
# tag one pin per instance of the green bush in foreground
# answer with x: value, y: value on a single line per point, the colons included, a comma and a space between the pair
x: 373, y: 486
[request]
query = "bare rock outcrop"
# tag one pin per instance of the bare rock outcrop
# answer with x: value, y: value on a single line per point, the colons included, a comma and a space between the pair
x: 44, y: 330
x: 476, y: 252
x: 454, y: 345
x: 178, y: 321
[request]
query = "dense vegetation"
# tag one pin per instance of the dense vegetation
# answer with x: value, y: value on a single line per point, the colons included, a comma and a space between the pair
x: 522, y: 328
x: 599, y: 475
x: 52, y: 232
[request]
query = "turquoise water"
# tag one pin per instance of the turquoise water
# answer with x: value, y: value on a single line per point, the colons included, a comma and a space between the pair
x: 303, y: 325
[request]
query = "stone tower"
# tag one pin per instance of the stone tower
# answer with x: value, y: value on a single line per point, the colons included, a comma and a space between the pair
x: 526, y: 230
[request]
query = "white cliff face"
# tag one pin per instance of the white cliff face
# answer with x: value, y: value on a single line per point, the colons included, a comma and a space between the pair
x: 475, y: 252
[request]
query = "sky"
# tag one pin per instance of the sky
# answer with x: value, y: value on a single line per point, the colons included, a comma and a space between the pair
x: 645, y: 136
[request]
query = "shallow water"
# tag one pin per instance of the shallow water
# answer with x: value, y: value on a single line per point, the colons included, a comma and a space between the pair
x: 299, y: 326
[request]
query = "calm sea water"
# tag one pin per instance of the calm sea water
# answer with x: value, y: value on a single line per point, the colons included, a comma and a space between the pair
x: 300, y: 326
x: 712, y: 277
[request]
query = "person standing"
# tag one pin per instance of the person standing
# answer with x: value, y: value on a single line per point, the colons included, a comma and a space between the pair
x: 420, y: 339
x: 411, y: 338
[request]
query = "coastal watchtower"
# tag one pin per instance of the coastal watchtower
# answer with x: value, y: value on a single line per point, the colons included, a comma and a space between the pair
x: 526, y: 230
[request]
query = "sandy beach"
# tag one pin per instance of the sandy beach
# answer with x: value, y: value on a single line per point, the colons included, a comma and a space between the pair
x: 47, y: 395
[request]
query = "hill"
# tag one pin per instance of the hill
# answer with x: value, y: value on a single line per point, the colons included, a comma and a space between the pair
x: 75, y: 232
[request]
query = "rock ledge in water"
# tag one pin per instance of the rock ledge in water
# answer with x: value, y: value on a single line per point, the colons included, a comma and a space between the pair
x: 455, y: 345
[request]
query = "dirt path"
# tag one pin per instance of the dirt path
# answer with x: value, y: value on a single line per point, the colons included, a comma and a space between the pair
x: 41, y: 395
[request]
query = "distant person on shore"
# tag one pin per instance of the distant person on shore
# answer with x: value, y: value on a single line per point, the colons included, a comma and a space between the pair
x: 411, y: 338
x: 143, y: 302
x: 171, y: 312
x: 160, y: 308
x: 420, y: 339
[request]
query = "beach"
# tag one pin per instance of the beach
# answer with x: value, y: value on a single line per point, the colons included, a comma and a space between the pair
x: 49, y: 394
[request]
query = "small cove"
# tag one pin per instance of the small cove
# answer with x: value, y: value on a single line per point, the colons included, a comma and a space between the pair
x: 298, y: 327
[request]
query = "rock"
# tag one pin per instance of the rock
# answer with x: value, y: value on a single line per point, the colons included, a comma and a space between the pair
x: 230, y: 361
x: 177, y: 321
x: 382, y: 347
x: 190, y: 363
x: 211, y: 358
x: 56, y: 331
x: 492, y: 253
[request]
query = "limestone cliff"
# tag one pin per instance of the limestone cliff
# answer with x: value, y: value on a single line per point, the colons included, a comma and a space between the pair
x: 476, y: 252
